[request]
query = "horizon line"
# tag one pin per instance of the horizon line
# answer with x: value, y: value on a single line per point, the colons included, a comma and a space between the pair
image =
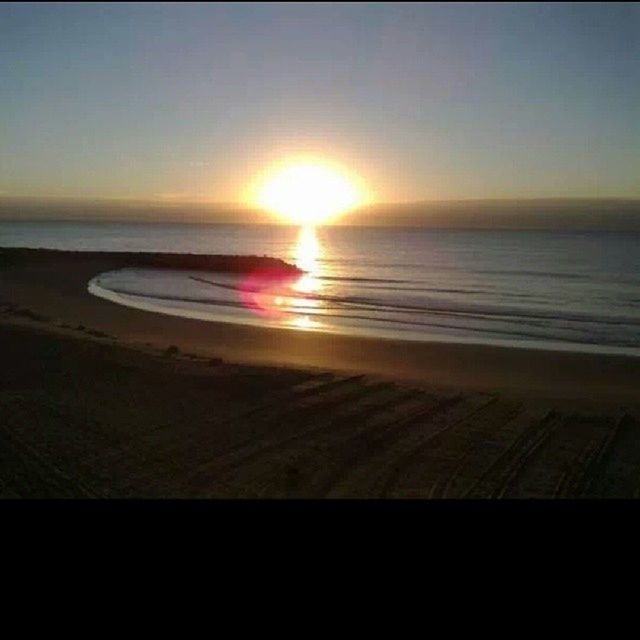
x: 239, y: 204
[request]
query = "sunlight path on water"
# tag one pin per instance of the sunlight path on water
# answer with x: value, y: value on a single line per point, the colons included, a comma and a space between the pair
x: 307, y: 254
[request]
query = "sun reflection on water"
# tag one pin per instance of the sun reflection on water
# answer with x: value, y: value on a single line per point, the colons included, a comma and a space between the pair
x: 292, y: 301
x: 307, y: 256
x: 304, y: 322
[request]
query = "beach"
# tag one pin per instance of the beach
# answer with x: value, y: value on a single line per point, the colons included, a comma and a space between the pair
x: 103, y: 400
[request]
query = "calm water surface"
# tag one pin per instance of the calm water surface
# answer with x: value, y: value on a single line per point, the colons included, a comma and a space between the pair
x: 578, y: 290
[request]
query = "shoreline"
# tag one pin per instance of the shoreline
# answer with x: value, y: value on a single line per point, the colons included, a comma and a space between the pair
x: 250, y: 321
x: 54, y: 285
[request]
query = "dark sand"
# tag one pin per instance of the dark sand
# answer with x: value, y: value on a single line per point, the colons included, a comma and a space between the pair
x: 90, y: 405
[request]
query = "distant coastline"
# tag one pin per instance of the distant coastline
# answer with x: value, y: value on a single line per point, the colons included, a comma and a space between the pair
x: 602, y: 214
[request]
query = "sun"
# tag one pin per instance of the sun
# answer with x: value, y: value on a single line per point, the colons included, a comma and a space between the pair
x: 308, y: 192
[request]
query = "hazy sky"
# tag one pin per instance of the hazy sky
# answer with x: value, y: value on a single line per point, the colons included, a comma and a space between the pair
x: 422, y: 100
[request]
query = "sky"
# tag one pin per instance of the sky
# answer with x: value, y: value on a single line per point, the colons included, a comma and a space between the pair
x: 176, y: 102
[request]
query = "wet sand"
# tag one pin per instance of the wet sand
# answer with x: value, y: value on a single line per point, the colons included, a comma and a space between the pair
x: 93, y: 402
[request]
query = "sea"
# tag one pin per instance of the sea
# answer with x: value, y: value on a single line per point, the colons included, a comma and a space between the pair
x: 565, y: 290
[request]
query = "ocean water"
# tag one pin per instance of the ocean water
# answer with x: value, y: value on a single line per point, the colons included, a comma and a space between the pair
x: 567, y: 290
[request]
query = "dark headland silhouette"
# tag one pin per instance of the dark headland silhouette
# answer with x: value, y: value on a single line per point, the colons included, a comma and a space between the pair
x: 157, y: 260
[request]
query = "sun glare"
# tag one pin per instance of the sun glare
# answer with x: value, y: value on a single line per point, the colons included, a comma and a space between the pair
x: 308, y: 193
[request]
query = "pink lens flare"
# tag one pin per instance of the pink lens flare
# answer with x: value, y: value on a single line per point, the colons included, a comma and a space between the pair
x: 267, y: 293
